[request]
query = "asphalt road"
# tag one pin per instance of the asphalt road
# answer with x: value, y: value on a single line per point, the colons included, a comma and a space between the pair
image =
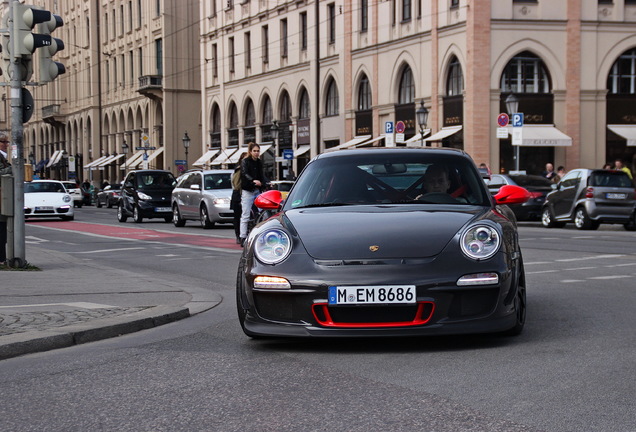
x: 572, y: 369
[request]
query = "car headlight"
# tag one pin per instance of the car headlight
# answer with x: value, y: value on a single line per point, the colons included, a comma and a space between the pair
x: 480, y: 242
x: 221, y: 201
x: 144, y: 196
x: 272, y: 246
x: 67, y: 198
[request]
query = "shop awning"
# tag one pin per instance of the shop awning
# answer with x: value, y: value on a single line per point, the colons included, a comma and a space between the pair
x: 55, y: 158
x: 154, y: 154
x: 205, y: 159
x: 417, y: 138
x: 626, y: 131
x: 134, y: 160
x: 370, y: 143
x: 109, y: 160
x: 223, y: 156
x: 351, y: 143
x: 236, y: 155
x: 444, y: 133
x: 301, y: 150
x: 543, y: 136
x: 95, y: 162
x: 265, y: 147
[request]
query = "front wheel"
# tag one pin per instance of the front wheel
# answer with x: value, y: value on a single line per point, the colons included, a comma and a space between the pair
x: 137, y: 218
x: 582, y: 221
x: 547, y: 220
x: 98, y: 203
x: 177, y: 220
x: 121, y: 214
x: 519, y: 305
x: 204, y: 218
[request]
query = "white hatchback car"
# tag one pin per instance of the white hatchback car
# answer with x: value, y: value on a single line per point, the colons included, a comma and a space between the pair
x: 46, y: 199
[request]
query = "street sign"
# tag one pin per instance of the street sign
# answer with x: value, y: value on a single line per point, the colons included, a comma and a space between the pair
x: 517, y: 136
x: 502, y: 132
x: 180, y: 162
x: 388, y: 140
x: 400, y: 127
x: 517, y: 120
x: 145, y: 148
x: 288, y: 154
x: 503, y: 120
x: 399, y: 137
x: 388, y: 127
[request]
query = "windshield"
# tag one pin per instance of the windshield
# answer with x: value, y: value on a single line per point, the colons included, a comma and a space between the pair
x: 155, y: 180
x: 44, y: 187
x: 218, y: 181
x: 610, y: 179
x: 408, y: 178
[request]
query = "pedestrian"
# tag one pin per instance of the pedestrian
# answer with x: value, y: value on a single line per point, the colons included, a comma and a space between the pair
x: 235, y: 202
x: 252, y: 181
x: 5, y: 169
x: 549, y: 172
x: 618, y: 165
x: 607, y: 166
x: 560, y: 173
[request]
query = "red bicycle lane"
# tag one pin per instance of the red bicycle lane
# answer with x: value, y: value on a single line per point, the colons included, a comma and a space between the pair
x: 124, y: 232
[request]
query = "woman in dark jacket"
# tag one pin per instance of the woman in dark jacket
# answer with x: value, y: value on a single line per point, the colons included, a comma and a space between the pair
x: 235, y: 203
x: 252, y: 181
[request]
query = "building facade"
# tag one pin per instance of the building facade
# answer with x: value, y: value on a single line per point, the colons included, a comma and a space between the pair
x: 330, y: 74
x: 132, y: 77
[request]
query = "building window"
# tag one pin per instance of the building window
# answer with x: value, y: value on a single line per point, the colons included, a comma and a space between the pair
x: 107, y: 75
x: 364, y: 15
x: 454, y: 4
x: 138, y: 13
x: 130, y: 16
x: 285, y: 108
x: 131, y: 57
x: 265, y: 44
x: 248, y: 50
x: 250, y: 116
x: 123, y: 70
x: 215, y: 63
x: 114, y: 23
x: 122, y: 20
x: 231, y: 53
x: 158, y: 8
x: 622, y: 77
x: 283, y: 38
x: 115, y: 80
x: 455, y: 83
x: 525, y: 73
x: 407, y: 87
x: 267, y: 111
x: 212, y: 8
x: 141, y: 62
x: 303, y: 31
x: 159, y: 56
x: 305, y: 107
x: 364, y: 94
x: 332, y: 99
x: 106, y: 26
x: 331, y: 13
x: 406, y: 10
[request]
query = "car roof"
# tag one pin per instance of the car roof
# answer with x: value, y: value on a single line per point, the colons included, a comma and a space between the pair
x: 395, y: 150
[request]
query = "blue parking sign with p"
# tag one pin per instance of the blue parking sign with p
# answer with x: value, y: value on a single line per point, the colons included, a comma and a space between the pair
x: 517, y: 120
x: 388, y: 127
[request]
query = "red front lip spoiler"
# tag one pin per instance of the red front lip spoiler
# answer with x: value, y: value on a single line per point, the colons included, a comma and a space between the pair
x: 422, y: 316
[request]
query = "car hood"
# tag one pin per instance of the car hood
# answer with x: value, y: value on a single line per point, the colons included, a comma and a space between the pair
x: 396, y: 232
x: 33, y: 199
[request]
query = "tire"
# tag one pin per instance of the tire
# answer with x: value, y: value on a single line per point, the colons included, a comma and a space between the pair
x: 121, y: 213
x: 582, y: 221
x: 98, y: 203
x: 240, y: 308
x: 631, y: 225
x: 547, y: 219
x: 137, y: 218
x: 176, y: 217
x: 520, y: 305
x: 204, y: 219
x: 109, y: 204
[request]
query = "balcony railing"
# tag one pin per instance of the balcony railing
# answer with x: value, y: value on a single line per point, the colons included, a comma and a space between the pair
x: 150, y: 82
x: 52, y: 114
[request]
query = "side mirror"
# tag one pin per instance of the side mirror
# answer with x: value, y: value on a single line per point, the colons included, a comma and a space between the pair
x: 511, y: 194
x: 195, y: 187
x: 269, y: 200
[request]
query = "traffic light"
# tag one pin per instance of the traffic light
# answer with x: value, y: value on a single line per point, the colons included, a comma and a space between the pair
x: 50, y: 69
x: 25, y: 17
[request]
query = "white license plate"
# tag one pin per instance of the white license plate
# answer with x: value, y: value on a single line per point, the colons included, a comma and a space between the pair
x: 339, y: 295
x: 162, y: 209
x: 44, y: 208
x: 616, y: 196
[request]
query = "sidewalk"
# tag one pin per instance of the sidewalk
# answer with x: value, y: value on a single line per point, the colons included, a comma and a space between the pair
x: 69, y: 302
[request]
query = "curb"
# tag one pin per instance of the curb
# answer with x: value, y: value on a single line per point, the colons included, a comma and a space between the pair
x: 18, y: 344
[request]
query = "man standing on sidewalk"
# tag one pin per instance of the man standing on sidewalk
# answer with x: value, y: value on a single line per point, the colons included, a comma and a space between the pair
x: 5, y: 168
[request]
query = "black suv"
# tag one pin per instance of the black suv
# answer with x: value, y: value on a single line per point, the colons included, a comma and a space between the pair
x: 146, y: 194
x: 589, y: 197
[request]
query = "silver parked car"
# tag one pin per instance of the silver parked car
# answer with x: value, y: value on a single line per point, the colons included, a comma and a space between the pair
x: 589, y: 197
x: 203, y: 195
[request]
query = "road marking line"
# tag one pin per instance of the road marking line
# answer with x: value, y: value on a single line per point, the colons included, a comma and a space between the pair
x: 572, y: 281
x: 580, y: 268
x: 107, y: 250
x: 544, y: 271
x: 589, y: 258
x: 538, y: 262
x: 83, y: 305
x: 610, y: 277
x: 621, y: 265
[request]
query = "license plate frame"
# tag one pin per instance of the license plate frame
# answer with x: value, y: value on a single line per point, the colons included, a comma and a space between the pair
x: 163, y: 209
x: 615, y: 195
x: 372, y: 294
x: 44, y: 208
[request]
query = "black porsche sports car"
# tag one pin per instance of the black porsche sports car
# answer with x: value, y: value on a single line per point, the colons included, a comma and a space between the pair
x: 385, y: 242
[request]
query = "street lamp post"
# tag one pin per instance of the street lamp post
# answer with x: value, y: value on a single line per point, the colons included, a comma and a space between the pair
x: 124, y: 149
x: 186, y: 145
x: 274, y: 131
x: 422, y: 117
x: 512, y: 105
